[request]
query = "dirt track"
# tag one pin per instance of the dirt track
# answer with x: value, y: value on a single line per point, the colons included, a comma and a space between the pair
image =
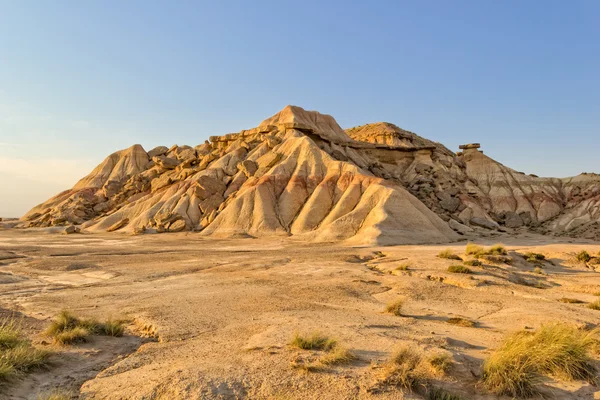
x: 223, y: 311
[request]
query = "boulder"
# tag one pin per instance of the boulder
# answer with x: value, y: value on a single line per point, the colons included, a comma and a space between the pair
x: 158, y: 151
x: 208, y: 186
x: 457, y: 226
x: 248, y: 167
x: 513, y: 220
x: 70, y: 230
x: 211, y: 203
x: 166, y: 162
x: 177, y: 226
x: 160, y: 182
x: 118, y: 225
x: 138, y: 230
x: 450, y: 204
x: 483, y: 223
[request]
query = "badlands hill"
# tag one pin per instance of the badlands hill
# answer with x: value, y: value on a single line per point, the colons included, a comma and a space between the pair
x: 300, y: 174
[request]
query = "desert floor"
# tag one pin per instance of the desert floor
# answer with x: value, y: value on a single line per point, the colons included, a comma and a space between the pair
x: 212, y: 318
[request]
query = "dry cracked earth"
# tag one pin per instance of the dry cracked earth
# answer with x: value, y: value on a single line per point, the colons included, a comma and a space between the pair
x: 213, y: 319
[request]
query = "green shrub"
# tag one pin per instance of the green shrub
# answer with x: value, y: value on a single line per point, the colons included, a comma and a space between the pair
x: 459, y: 269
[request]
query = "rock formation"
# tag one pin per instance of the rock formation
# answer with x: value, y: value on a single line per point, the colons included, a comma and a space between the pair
x: 299, y: 174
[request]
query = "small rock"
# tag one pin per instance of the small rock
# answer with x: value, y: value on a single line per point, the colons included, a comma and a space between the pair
x: 71, y: 229
x: 483, y: 223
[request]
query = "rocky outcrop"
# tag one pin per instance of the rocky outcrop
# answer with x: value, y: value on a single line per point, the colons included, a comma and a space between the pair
x: 299, y: 174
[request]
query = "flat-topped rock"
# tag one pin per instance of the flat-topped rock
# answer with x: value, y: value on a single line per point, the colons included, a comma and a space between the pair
x: 469, y: 146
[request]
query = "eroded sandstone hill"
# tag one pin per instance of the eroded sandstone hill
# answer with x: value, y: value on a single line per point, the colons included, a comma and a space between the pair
x: 298, y: 173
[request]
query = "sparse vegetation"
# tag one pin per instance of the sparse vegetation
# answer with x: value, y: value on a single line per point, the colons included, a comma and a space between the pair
x: 409, y: 367
x: 71, y: 336
x: 440, y: 363
x: 595, y: 305
x: 461, y: 322
x: 17, y: 355
x: 440, y: 394
x: 497, y: 259
x: 403, y: 267
x: 395, y: 307
x: 113, y: 328
x: 538, y: 270
x: 56, y: 395
x: 558, y: 350
x: 473, y: 263
x: 449, y: 255
x: 337, y: 356
x: 534, y: 257
x: 479, y: 251
x: 459, y: 269
x: 473, y: 249
x: 583, y: 256
x: 569, y: 300
x: 67, y: 329
x: 314, y: 341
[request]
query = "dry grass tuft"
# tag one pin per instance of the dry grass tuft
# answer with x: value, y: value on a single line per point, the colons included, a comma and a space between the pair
x: 409, y: 367
x: 439, y: 363
x: 473, y: 249
x: 440, y: 394
x: 557, y: 350
x: 113, y: 328
x: 534, y: 257
x: 339, y: 355
x: 569, y: 300
x: 17, y: 355
x: 473, y: 263
x: 395, y: 307
x: 56, y: 395
x: 448, y: 254
x: 314, y: 341
x: 479, y: 251
x: 467, y: 323
x: 583, y: 256
x: 71, y: 336
x: 68, y: 329
x: 403, y: 267
x: 595, y: 305
x: 459, y: 269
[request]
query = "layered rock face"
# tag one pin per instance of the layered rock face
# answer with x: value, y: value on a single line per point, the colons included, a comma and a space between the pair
x: 299, y: 174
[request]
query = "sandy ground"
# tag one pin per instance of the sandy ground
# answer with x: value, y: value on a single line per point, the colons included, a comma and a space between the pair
x: 213, y: 318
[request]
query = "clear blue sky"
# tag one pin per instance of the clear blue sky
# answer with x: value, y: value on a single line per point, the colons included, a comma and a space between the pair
x: 81, y: 79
